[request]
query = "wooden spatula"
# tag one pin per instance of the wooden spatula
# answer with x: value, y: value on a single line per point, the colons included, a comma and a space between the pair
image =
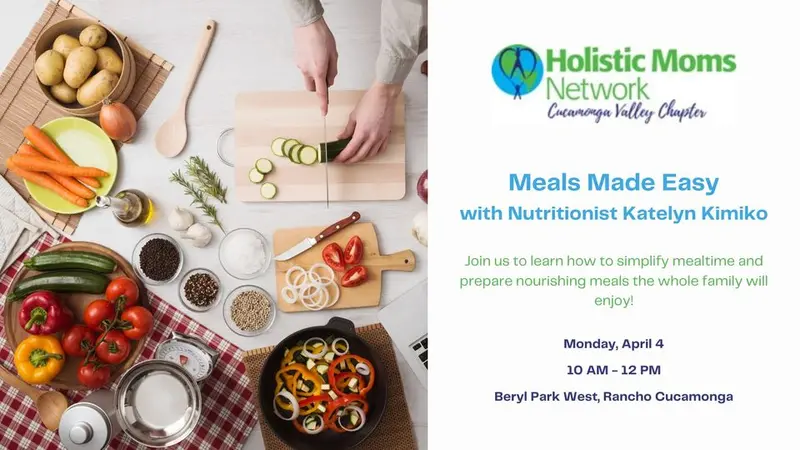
x: 171, y: 137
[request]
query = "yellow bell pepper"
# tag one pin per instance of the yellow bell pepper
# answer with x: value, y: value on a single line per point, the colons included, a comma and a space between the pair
x: 39, y: 359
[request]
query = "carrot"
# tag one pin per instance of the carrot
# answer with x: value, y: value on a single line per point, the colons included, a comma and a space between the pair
x: 46, y: 181
x: 45, y: 165
x: 68, y: 182
x: 49, y: 148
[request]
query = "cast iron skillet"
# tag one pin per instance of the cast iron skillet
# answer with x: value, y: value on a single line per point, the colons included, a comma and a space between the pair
x: 329, y: 440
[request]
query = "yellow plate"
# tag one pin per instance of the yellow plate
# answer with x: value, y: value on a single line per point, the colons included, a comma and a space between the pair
x: 88, y: 146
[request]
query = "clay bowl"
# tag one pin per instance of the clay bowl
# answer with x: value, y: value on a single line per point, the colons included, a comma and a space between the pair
x: 73, y: 27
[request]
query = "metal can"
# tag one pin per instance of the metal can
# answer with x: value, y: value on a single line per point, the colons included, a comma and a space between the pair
x: 91, y: 423
x: 158, y: 403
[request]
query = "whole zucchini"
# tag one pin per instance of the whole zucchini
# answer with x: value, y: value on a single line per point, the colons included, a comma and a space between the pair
x: 71, y: 260
x: 87, y: 282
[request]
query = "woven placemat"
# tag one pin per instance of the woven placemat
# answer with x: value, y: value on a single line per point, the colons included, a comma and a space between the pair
x: 22, y: 103
x: 395, y: 430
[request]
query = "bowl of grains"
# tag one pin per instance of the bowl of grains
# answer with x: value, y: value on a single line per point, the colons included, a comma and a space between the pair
x: 157, y: 259
x: 200, y: 290
x: 249, y: 311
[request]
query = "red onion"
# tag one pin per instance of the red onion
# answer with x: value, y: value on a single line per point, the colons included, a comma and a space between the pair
x: 422, y: 186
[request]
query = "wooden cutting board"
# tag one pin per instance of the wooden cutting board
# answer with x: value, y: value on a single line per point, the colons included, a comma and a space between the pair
x: 264, y: 116
x: 68, y: 377
x: 364, y: 296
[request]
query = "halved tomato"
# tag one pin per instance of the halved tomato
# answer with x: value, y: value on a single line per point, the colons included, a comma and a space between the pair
x: 354, y: 277
x: 354, y: 250
x: 334, y: 257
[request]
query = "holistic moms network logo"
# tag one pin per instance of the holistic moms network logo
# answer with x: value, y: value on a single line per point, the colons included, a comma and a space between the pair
x: 517, y: 70
x: 598, y: 84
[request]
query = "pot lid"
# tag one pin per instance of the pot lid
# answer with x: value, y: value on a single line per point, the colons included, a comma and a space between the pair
x: 158, y: 403
x: 84, y: 426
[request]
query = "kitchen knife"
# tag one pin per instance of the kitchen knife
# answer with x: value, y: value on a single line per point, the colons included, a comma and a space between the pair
x: 311, y: 241
x: 325, y: 140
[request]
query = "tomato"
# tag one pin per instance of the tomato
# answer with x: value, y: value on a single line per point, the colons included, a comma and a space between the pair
x: 354, y: 250
x: 78, y: 340
x: 138, y: 321
x: 93, y: 374
x: 123, y: 287
x: 114, y: 348
x: 354, y: 277
x: 97, y: 312
x: 334, y: 257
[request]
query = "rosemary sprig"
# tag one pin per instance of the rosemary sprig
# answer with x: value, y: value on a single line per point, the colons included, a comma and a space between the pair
x: 206, y: 178
x: 199, y: 198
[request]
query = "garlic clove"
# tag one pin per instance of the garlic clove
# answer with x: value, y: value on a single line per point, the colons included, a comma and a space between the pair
x: 180, y: 219
x: 199, y: 235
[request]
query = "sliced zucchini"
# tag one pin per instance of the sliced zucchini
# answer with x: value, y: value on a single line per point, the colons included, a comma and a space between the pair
x: 287, y: 145
x: 264, y: 166
x: 268, y: 190
x: 277, y: 146
x: 255, y: 176
x: 294, y: 153
x: 307, y: 155
x: 334, y: 148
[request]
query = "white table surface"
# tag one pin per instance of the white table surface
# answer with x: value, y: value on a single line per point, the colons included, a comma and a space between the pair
x: 252, y: 51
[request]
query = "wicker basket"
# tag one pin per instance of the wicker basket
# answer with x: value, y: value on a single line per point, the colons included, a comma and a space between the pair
x: 127, y: 78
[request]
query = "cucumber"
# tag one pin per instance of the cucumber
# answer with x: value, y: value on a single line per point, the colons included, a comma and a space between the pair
x: 264, y: 166
x: 277, y: 146
x: 255, y: 176
x: 307, y: 155
x: 334, y: 148
x: 71, y: 260
x: 86, y: 282
x: 287, y: 145
x: 268, y: 191
x: 294, y: 153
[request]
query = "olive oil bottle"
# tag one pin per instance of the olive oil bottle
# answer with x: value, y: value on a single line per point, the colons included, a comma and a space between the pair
x: 131, y: 207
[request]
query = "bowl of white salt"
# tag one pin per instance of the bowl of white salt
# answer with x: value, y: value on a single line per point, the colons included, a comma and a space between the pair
x: 245, y: 254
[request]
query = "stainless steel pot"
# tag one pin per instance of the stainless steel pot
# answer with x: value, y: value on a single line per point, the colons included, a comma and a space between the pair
x: 91, y: 423
x: 158, y: 403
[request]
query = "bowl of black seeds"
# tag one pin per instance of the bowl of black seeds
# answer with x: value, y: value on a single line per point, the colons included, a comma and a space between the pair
x: 200, y: 290
x: 158, y: 259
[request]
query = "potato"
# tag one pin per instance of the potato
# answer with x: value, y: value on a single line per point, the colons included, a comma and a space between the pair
x: 97, y: 88
x: 93, y: 36
x: 65, y: 44
x: 49, y: 68
x: 108, y: 59
x: 63, y: 93
x: 80, y: 64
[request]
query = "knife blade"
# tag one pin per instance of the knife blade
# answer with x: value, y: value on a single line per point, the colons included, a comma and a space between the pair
x: 311, y: 241
x: 325, y: 140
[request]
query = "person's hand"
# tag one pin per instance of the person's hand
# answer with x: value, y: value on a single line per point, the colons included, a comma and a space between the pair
x: 316, y: 57
x: 370, y: 124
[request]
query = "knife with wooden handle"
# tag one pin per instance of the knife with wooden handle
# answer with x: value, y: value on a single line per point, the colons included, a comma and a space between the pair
x: 311, y: 241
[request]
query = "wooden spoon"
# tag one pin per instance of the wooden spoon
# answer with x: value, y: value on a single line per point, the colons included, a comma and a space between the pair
x: 50, y: 404
x: 171, y: 137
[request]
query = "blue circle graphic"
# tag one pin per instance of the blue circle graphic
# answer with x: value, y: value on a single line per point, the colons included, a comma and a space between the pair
x: 517, y: 70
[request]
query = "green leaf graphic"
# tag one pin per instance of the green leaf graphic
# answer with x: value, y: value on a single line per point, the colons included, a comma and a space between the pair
x: 507, y: 61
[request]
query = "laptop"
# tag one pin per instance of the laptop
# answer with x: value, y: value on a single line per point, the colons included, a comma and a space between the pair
x: 406, y: 321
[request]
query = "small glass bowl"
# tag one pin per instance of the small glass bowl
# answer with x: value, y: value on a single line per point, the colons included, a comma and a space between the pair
x: 182, y: 290
x: 242, y: 276
x: 273, y: 311
x: 138, y: 250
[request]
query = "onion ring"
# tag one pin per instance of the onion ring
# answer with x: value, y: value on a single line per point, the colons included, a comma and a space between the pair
x: 289, y: 299
x: 300, y: 280
x: 327, y: 280
x: 362, y: 415
x: 346, y: 346
x: 319, y: 355
x: 337, y: 294
x: 362, y: 368
x: 292, y: 400
x: 317, y: 305
x: 315, y: 293
x: 316, y: 430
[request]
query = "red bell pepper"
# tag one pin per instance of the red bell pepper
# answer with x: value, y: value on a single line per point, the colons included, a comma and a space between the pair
x: 42, y: 313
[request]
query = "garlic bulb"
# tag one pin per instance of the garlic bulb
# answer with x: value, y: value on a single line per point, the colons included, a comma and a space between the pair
x: 180, y: 219
x: 420, y: 228
x: 199, y: 235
